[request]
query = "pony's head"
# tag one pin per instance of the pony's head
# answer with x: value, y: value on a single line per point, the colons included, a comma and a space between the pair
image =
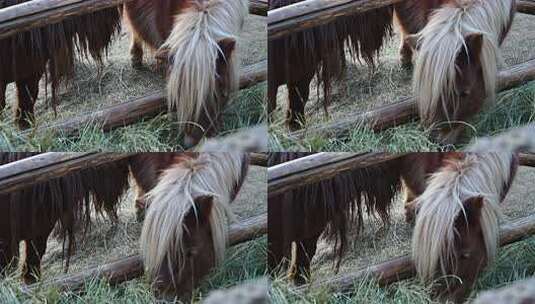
x: 203, y: 68
x: 455, y: 72
x: 469, y: 254
x: 456, y: 231
x: 184, y: 234
x: 198, y: 254
x: 461, y: 244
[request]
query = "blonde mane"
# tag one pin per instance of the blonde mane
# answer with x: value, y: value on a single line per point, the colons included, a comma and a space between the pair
x: 193, y: 45
x: 484, y: 175
x: 210, y: 174
x: 443, y: 38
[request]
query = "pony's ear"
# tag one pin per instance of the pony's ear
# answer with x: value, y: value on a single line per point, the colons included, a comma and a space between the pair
x: 227, y: 46
x: 474, y: 45
x: 204, y: 206
x: 412, y: 41
x: 472, y: 207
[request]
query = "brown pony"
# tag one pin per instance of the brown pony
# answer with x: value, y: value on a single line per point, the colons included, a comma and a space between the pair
x: 27, y: 56
x: 331, y: 207
x: 31, y: 214
x: 319, y: 52
x: 457, y: 231
x: 458, y: 53
x: 301, y: 216
x: 185, y: 232
x: 198, y: 40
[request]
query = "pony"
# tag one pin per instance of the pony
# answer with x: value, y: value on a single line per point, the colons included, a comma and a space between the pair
x: 25, y: 57
x: 458, y: 43
x: 185, y: 231
x: 186, y: 197
x: 31, y: 214
x: 319, y: 52
x: 456, y: 234
x: 411, y: 17
x: 331, y: 207
x: 335, y: 206
x: 198, y: 39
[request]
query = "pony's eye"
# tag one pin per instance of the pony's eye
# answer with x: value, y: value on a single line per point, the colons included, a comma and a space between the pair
x: 466, y: 255
x: 192, y: 252
x: 464, y: 94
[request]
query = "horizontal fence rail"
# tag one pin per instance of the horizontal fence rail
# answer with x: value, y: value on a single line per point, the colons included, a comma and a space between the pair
x: 131, y: 267
x: 405, y: 111
x: 38, y: 13
x: 311, y: 13
x: 127, y: 113
x: 317, y: 167
x: 402, y: 268
x: 45, y: 166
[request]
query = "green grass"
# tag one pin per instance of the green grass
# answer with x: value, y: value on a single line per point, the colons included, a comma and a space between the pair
x: 157, y: 134
x: 514, y: 262
x: 244, y: 262
x: 514, y: 108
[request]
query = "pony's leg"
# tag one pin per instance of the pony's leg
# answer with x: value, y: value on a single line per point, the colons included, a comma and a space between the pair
x: 408, y: 198
x: 140, y: 204
x: 27, y: 96
x: 35, y: 249
x: 272, y: 99
x: 298, y: 97
x: 3, y: 87
x: 405, y: 52
x: 136, y: 51
x: 305, y: 252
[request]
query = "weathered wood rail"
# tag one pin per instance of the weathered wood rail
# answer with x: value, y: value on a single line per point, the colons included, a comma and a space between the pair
x: 324, y: 165
x: 131, y: 267
x: 308, y: 14
x: 405, y: 111
x: 38, y: 13
x: 258, y: 7
x: 45, y: 166
x: 402, y: 267
x: 259, y: 159
x: 526, y: 7
x: 317, y: 167
x: 42, y: 167
x: 527, y: 159
x: 311, y: 13
x: 127, y: 113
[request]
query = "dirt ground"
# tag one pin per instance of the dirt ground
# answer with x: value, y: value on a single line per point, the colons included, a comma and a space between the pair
x: 94, y: 88
x: 107, y: 242
x: 362, y: 89
x: 377, y: 244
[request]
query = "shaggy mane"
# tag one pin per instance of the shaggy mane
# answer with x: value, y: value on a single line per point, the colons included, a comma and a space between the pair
x: 170, y: 201
x: 194, y: 45
x: 56, y: 46
x: 487, y: 175
x: 442, y: 40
